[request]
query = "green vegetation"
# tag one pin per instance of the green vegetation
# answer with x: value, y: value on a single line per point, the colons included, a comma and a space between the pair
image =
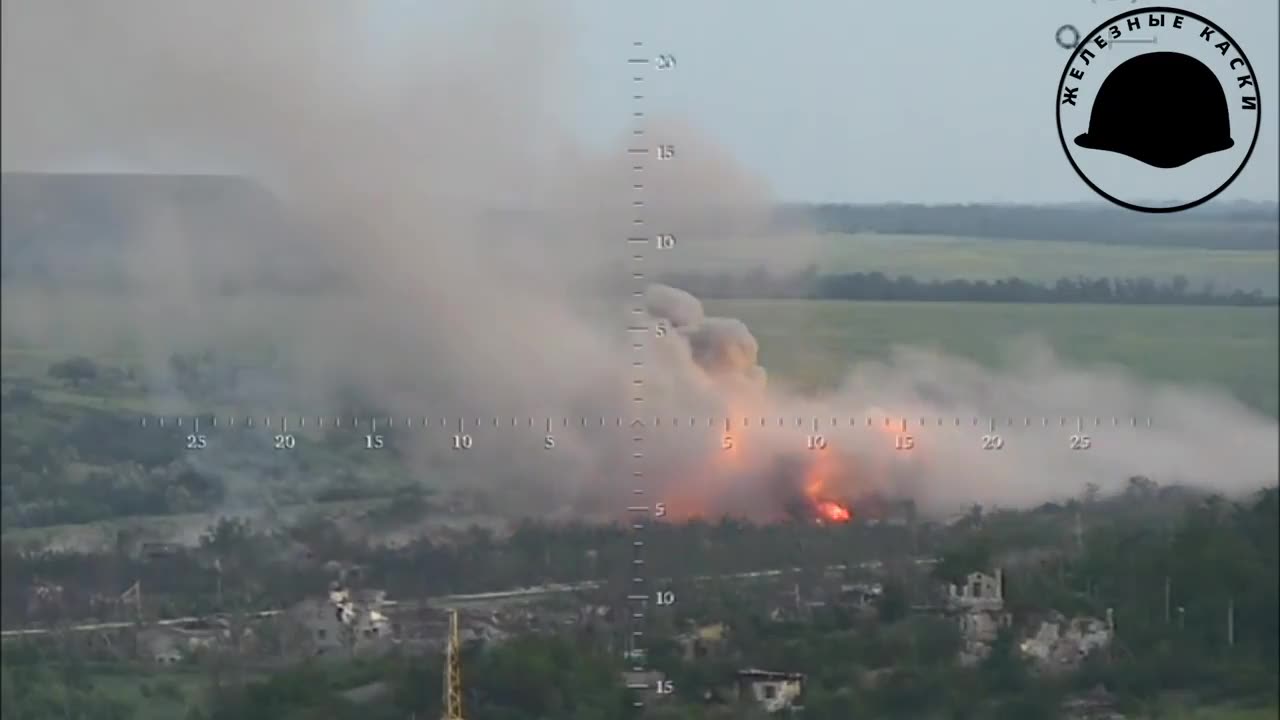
x: 1248, y: 226
x: 72, y: 453
x: 152, y: 694
x: 43, y: 684
x: 808, y: 284
x: 73, y: 450
x: 943, y: 257
x: 1214, y: 556
x: 1232, y: 348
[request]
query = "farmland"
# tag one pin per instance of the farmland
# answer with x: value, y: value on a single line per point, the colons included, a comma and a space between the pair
x: 810, y: 344
x: 930, y: 257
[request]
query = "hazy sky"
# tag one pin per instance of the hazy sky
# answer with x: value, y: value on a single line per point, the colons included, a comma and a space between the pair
x: 853, y: 100
x: 847, y: 100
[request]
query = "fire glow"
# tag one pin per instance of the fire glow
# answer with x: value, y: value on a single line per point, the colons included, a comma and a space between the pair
x: 822, y: 473
x: 753, y: 477
x: 833, y: 512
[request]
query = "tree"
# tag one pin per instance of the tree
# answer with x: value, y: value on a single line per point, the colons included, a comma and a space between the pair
x: 1091, y: 491
x: 893, y: 602
x: 937, y: 640
x: 74, y: 370
x: 956, y: 564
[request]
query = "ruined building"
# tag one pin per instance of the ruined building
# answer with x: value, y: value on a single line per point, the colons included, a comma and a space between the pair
x: 341, y: 622
x: 979, y: 605
x: 772, y: 691
x: 980, y: 592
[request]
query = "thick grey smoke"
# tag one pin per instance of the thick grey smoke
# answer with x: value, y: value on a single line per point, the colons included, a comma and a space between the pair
x: 396, y: 160
x: 391, y: 162
x: 949, y: 432
x: 722, y: 350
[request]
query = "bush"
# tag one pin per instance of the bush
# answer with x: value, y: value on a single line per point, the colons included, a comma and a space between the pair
x: 74, y: 370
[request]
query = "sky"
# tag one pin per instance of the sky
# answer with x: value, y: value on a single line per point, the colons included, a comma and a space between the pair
x: 857, y: 101
x: 930, y: 101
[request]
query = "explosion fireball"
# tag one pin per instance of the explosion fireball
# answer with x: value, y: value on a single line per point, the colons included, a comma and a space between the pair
x: 833, y: 512
x: 823, y: 472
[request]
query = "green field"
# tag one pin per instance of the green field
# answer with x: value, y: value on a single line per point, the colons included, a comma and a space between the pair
x: 928, y: 257
x: 812, y: 343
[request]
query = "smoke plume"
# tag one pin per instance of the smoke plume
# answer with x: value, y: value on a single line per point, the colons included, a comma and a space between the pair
x: 472, y: 252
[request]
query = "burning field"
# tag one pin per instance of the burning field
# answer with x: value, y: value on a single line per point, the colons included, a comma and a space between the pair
x: 767, y: 464
x: 939, y: 432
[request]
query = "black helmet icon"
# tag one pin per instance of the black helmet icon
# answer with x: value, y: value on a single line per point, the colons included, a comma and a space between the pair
x: 1164, y: 109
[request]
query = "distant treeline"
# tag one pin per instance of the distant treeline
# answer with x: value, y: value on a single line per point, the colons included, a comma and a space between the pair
x: 809, y: 285
x: 1239, y: 226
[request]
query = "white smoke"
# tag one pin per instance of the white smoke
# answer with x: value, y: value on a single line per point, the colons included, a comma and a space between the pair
x: 396, y: 168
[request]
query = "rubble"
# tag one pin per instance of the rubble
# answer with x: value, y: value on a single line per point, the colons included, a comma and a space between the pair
x: 978, y: 630
x: 341, y: 621
x: 1060, y: 644
x: 979, y: 601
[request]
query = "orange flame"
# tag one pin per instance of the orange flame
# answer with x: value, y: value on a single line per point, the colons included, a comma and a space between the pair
x: 823, y: 472
x: 832, y: 511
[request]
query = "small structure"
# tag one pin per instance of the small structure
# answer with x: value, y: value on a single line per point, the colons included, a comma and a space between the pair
x: 978, y: 603
x: 171, y: 644
x: 158, y: 550
x: 861, y: 596
x: 772, y: 691
x: 979, y: 593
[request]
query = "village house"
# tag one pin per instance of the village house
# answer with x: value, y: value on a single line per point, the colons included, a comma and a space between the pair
x: 979, y: 592
x: 772, y: 691
x: 861, y: 596
x: 978, y: 603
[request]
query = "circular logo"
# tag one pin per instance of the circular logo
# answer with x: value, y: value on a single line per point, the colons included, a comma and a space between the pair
x: 1158, y: 110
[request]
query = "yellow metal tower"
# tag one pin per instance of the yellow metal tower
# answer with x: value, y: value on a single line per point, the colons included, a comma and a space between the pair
x: 453, y: 672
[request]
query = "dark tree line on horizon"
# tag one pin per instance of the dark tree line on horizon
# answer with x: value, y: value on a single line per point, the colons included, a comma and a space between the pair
x: 1236, y: 226
x: 808, y: 284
